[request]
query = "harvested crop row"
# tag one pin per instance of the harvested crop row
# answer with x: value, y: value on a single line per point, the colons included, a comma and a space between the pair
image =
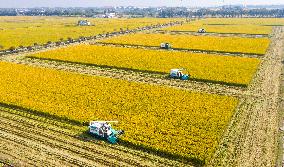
x: 224, y: 69
x: 210, y: 43
x: 178, y: 122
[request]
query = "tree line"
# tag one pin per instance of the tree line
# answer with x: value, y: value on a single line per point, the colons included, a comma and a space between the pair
x: 162, y: 12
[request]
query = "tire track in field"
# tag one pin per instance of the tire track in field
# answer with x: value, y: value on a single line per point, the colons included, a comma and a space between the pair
x: 66, y: 143
x: 252, y: 136
x: 40, y: 148
x: 26, y: 155
x: 40, y: 145
x: 115, y: 149
x: 23, y: 130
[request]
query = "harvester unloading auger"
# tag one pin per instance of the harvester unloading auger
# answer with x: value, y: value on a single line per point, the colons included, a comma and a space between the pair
x: 103, y: 130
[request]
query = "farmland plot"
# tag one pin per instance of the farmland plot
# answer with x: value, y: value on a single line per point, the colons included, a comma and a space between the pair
x: 210, y: 43
x: 173, y: 121
x: 242, y: 21
x: 25, y: 31
x: 225, y: 69
x: 234, y: 29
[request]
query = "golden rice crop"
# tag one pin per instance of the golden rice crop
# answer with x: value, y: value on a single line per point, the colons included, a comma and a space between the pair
x: 25, y: 31
x: 243, y: 29
x: 231, y: 25
x: 211, y: 43
x: 242, y: 21
x: 234, y: 70
x: 171, y: 120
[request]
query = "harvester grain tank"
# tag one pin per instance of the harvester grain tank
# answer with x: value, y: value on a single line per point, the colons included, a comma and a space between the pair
x: 178, y: 74
x: 103, y: 130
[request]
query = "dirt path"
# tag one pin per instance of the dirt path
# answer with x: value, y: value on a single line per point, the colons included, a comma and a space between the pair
x: 280, y: 160
x: 30, y: 140
x: 252, y: 137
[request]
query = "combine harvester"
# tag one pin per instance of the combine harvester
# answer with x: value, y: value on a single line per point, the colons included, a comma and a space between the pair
x: 178, y: 74
x: 201, y: 30
x: 165, y: 46
x: 103, y: 130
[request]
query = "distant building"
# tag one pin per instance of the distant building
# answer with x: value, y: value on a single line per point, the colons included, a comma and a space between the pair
x: 111, y: 15
x: 107, y: 15
x: 84, y: 23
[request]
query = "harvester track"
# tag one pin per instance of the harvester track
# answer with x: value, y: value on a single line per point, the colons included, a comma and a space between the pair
x: 61, y: 143
x: 24, y: 139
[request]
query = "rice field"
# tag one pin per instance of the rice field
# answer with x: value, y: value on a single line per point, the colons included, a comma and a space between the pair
x: 190, y: 42
x: 25, y: 31
x: 214, y: 68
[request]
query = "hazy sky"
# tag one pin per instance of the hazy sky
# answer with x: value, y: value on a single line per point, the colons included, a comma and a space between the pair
x: 94, y: 3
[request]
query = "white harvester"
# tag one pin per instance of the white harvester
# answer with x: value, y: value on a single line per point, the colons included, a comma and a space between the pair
x: 103, y: 130
x: 178, y: 74
x: 201, y: 30
x: 165, y: 46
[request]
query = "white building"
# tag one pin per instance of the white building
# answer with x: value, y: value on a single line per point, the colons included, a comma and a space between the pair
x: 111, y: 15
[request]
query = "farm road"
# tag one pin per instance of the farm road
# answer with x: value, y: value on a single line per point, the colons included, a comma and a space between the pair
x: 252, y: 137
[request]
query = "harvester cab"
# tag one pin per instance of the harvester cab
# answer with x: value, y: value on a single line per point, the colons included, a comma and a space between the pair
x: 165, y: 46
x: 178, y: 74
x: 103, y: 130
x: 201, y: 30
